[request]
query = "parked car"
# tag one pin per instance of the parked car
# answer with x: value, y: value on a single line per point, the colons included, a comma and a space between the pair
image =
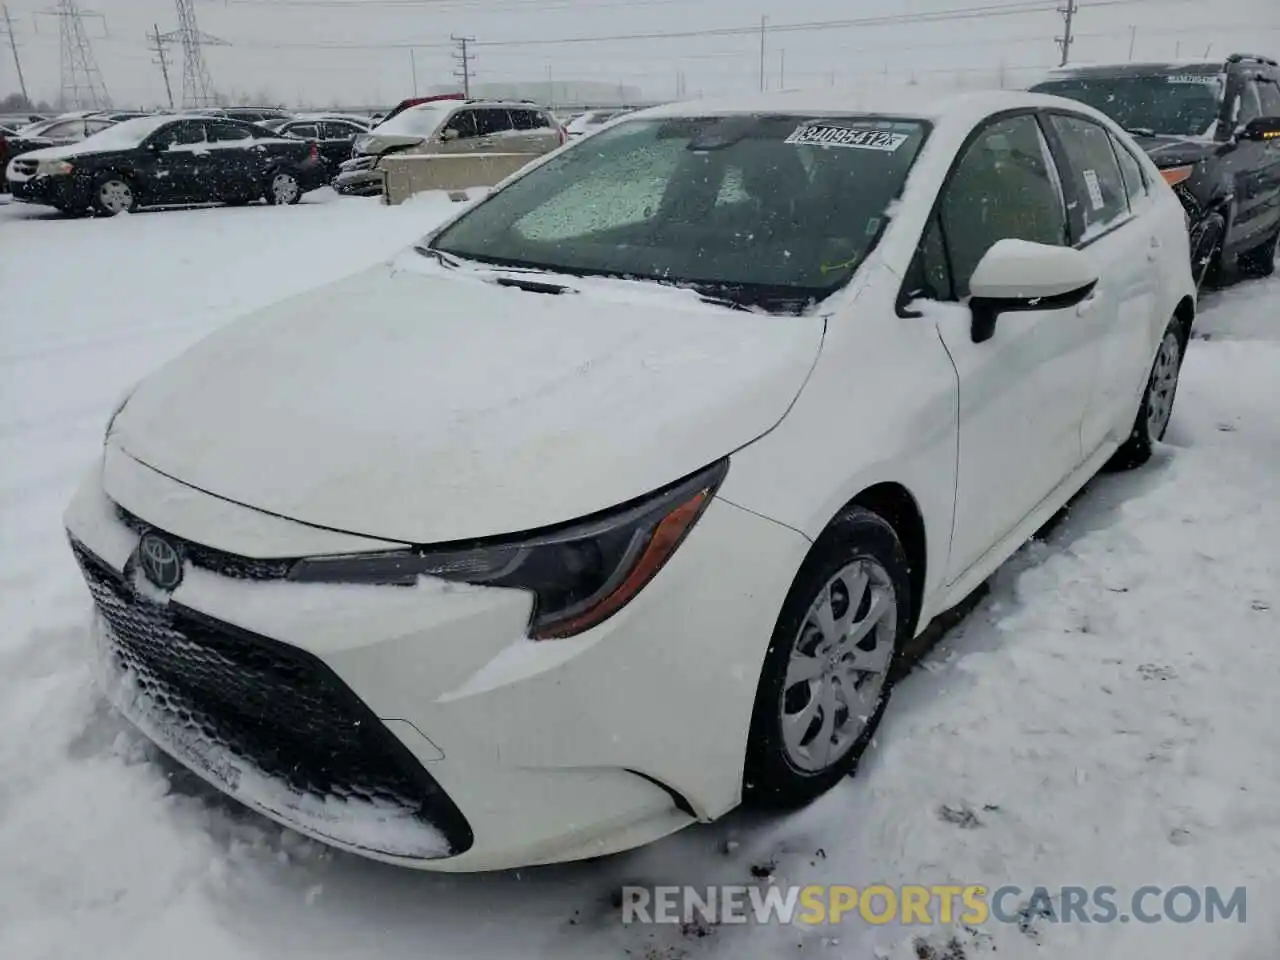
x: 364, y: 123
x: 1213, y: 128
x: 154, y: 161
x: 477, y: 130
x: 12, y: 145
x: 590, y: 121
x: 619, y: 498
x: 335, y: 137
x: 404, y: 105
x: 248, y: 114
x: 65, y: 130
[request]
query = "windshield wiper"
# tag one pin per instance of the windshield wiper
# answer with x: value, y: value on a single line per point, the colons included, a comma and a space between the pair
x: 445, y: 261
x: 532, y: 286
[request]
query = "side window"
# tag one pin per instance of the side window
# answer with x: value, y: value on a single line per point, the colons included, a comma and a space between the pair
x: 94, y: 126
x: 183, y: 133
x: 929, y: 277
x: 68, y: 128
x: 1003, y: 186
x: 1250, y: 104
x: 490, y: 121
x: 307, y: 131
x: 1269, y: 95
x: 1135, y: 179
x: 464, y: 122
x: 525, y: 120
x: 1100, y: 197
x: 221, y: 132
x: 330, y: 130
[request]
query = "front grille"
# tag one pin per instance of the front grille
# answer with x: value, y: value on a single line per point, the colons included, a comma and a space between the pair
x: 360, y: 162
x: 273, y: 707
x: 216, y: 561
x: 25, y: 167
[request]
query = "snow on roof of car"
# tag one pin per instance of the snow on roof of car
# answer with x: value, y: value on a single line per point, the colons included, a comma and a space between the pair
x: 925, y: 103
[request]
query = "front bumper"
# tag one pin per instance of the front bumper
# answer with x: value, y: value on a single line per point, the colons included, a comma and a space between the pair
x: 359, y: 183
x: 546, y: 751
x: 62, y: 192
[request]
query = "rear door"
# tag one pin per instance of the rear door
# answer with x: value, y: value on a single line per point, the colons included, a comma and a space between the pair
x: 336, y: 139
x: 233, y: 170
x: 1024, y: 391
x: 493, y: 129
x: 1123, y: 240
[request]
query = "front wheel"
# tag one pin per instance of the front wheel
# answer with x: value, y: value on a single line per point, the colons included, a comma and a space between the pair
x: 828, y: 670
x: 112, y: 195
x: 1157, y: 404
x: 283, y: 189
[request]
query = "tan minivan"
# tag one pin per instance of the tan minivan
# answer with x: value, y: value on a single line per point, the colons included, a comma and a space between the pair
x: 448, y: 145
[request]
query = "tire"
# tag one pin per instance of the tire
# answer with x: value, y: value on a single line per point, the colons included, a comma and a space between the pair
x: 1206, y: 260
x: 113, y: 194
x: 789, y: 762
x: 1261, y: 260
x: 283, y: 188
x: 1156, y: 408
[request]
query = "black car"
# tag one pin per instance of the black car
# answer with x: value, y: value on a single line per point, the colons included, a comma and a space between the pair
x: 1213, y: 129
x: 155, y: 161
x: 334, y: 137
x: 248, y: 114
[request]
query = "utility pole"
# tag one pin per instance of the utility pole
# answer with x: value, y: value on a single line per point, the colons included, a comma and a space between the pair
x: 1064, y: 42
x: 413, y: 66
x: 1133, y: 39
x: 782, y: 69
x: 82, y: 84
x: 764, y: 22
x: 159, y: 45
x: 13, y: 45
x: 197, y: 86
x: 463, y: 59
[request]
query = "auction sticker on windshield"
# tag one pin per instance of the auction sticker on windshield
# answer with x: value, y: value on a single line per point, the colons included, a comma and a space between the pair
x: 859, y: 138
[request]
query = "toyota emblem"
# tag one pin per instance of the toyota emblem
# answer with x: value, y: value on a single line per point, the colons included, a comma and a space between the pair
x: 160, y: 561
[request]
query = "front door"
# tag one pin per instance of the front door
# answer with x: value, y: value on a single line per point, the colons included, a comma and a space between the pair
x: 1023, y: 392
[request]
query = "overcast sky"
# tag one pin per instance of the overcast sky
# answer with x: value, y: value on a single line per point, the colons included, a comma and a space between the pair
x: 276, y: 47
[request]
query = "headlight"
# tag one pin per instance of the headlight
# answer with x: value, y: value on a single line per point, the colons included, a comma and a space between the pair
x: 1175, y: 175
x: 53, y: 168
x: 580, y: 574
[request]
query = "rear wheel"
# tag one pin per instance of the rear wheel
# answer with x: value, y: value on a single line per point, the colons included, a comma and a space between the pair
x: 827, y: 674
x: 283, y: 189
x: 1261, y: 260
x: 113, y: 194
x: 1157, y: 403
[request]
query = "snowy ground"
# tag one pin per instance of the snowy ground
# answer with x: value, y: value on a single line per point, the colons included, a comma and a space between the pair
x: 1108, y: 713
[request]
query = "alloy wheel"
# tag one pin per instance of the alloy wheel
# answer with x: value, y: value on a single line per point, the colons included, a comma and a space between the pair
x: 839, y: 664
x: 115, y: 196
x: 1164, y: 382
x: 284, y: 188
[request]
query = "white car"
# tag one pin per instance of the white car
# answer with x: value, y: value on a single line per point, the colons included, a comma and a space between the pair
x: 616, y: 501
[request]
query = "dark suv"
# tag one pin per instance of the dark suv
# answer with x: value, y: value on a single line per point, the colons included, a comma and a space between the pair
x: 1213, y: 129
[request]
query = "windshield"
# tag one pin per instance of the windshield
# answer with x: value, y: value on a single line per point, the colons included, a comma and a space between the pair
x: 1177, y: 103
x: 415, y: 122
x: 750, y: 208
x: 126, y: 135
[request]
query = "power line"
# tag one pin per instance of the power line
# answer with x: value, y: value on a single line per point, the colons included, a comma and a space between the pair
x: 13, y: 45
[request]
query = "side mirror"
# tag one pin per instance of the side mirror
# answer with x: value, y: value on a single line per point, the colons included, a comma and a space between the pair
x: 1261, y: 129
x: 1017, y: 275
x: 449, y: 134
x: 156, y: 146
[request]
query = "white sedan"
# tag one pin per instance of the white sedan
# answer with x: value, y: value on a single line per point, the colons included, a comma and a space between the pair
x: 616, y: 501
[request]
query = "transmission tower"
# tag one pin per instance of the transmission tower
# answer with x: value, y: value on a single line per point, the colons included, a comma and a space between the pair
x: 197, y: 88
x: 82, y: 84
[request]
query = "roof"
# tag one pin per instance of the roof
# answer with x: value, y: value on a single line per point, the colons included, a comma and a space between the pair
x: 905, y: 101
x: 1119, y: 69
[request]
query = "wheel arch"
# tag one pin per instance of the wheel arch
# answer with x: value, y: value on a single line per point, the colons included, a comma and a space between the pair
x: 1185, y: 315
x: 898, y: 507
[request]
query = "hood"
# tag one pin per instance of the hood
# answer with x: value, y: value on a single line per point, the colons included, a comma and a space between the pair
x: 66, y: 151
x: 378, y: 143
x: 1172, y: 151
x: 426, y: 406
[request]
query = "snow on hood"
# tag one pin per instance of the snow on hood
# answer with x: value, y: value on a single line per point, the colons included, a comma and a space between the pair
x: 126, y: 135
x: 1167, y: 150
x: 427, y: 407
